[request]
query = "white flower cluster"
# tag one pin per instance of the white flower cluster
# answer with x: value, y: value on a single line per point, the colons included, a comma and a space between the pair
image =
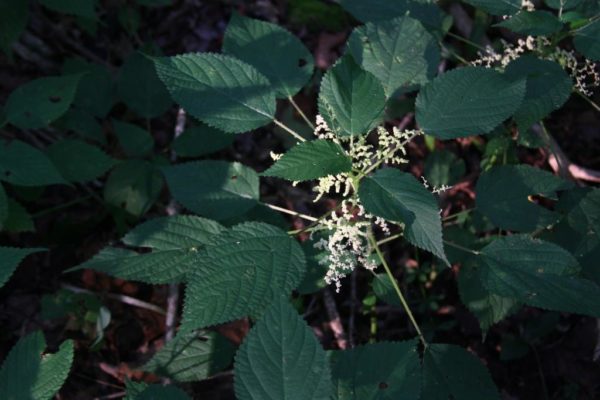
x: 435, y: 189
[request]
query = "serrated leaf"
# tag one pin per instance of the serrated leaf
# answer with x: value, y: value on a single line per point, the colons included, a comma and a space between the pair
x: 24, y: 165
x: 13, y: 19
x: 443, y: 167
x: 192, y: 356
x: 387, y: 370
x: 26, y: 374
x: 273, y: 51
x: 534, y: 23
x: 96, y: 90
x: 311, y: 160
x: 351, y: 100
x: 539, y: 274
x: 215, y: 189
x: 201, y: 140
x: 503, y: 196
x: 587, y: 40
x: 281, y: 358
x: 140, y: 88
x: 399, y: 52
x: 497, y: 7
x: 467, y: 101
x: 174, y: 241
x: 81, y: 8
x: 219, y: 90
x: 78, y: 161
x: 548, y: 88
x: 398, y: 196
x: 18, y: 219
x: 240, y: 272
x: 10, y: 258
x: 158, y: 392
x: 39, y: 102
x: 136, y: 142
x: 451, y: 372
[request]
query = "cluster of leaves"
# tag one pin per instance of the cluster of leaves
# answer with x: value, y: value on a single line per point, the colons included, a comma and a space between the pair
x: 233, y: 254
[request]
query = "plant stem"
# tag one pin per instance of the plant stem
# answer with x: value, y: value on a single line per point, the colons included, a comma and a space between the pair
x: 449, y: 217
x: 467, y: 41
x: 315, y: 223
x: 62, y: 206
x: 290, y: 212
x: 459, y: 247
x: 390, y: 238
x: 388, y: 271
x: 288, y: 130
x: 590, y: 101
x: 299, y: 110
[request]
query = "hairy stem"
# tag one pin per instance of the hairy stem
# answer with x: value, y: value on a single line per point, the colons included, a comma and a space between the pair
x: 299, y: 110
x: 288, y: 130
x: 290, y: 212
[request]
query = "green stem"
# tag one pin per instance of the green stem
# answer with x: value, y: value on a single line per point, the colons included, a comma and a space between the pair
x: 288, y: 130
x: 449, y: 217
x: 459, y: 247
x: 290, y: 212
x: 390, y: 238
x: 315, y: 223
x: 590, y: 101
x: 467, y: 41
x: 388, y: 271
x: 299, y: 110
x: 62, y: 206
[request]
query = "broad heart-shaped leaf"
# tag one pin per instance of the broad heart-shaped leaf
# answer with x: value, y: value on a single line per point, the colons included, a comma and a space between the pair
x: 387, y: 370
x: 587, y: 40
x: 81, y: 8
x: 311, y: 160
x: 39, y: 102
x: 539, y: 274
x: 497, y: 7
x: 214, y: 189
x: 219, y: 90
x: 192, y: 356
x: 240, y: 273
x: 140, y: 88
x: 13, y: 19
x: 451, y: 372
x: 351, y: 100
x: 548, y: 88
x: 398, y: 196
x: 78, y: 161
x: 273, y: 51
x: 281, y: 359
x: 399, y: 52
x: 135, y: 141
x: 503, y: 196
x: 534, y: 23
x: 467, y: 101
x: 10, y: 258
x: 24, y: 165
x: 201, y: 140
x: 175, y: 242
x: 158, y: 392
x: 26, y: 374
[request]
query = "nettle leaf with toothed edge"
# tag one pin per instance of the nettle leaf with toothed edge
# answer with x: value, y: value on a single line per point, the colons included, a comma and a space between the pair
x: 385, y: 370
x: 311, y: 160
x: 398, y: 196
x: 497, y: 7
x: 538, y: 273
x: 175, y: 243
x: 10, y: 258
x: 534, y: 23
x: 281, y: 359
x: 451, y: 372
x: 273, y: 51
x: 351, y: 100
x: 399, y: 52
x: 587, y: 40
x: 240, y: 273
x: 467, y: 101
x: 219, y: 90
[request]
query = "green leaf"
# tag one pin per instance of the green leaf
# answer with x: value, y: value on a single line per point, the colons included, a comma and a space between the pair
x: 451, y: 372
x: 548, y: 88
x: 398, y: 196
x: 81, y: 8
x: 467, y: 101
x: 192, y: 356
x: 273, y: 51
x: 3, y: 206
x: 311, y: 160
x: 539, y: 274
x: 26, y: 374
x: 503, y: 196
x: 13, y: 20
x: 316, y: 268
x: 39, y: 102
x: 18, y: 219
x: 281, y: 359
x: 24, y: 165
x: 140, y: 88
x: 351, y: 100
x: 534, y: 23
x: 134, y: 389
x: 10, y: 258
x: 158, y: 392
x: 78, y: 161
x: 587, y: 40
x: 174, y: 243
x: 387, y: 370
x: 442, y: 167
x: 83, y: 124
x: 133, y: 186
x: 399, y: 52
x: 215, y: 189
x: 201, y: 140
x: 219, y: 90
x: 96, y: 90
x: 239, y: 273
x: 497, y: 7
x: 384, y: 290
x: 135, y: 141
